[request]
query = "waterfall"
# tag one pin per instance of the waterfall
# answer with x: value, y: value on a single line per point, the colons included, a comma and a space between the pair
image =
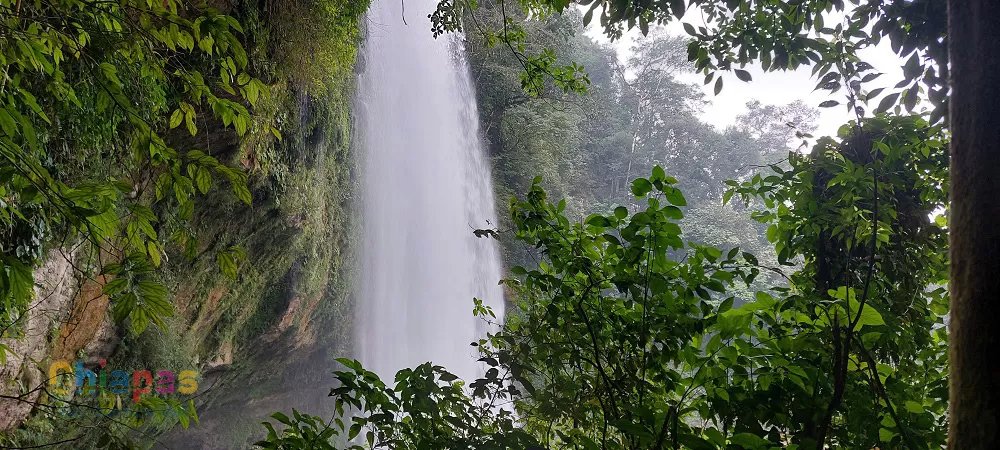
x: 425, y: 187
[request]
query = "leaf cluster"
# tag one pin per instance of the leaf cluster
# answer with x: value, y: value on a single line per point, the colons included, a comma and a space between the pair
x: 98, y: 85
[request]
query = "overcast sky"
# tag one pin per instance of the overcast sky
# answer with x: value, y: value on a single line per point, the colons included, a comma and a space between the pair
x: 776, y: 88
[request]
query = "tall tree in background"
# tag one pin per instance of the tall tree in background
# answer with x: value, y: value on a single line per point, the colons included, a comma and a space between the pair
x: 636, y: 113
x: 975, y: 237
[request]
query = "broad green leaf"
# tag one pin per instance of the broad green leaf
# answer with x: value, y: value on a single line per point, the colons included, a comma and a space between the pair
x: 176, y: 118
x: 675, y: 197
x: 641, y: 187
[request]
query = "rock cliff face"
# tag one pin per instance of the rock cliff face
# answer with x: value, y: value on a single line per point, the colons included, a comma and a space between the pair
x: 279, y: 323
x: 57, y: 325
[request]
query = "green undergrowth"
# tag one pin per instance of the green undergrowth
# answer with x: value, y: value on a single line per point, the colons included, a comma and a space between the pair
x: 291, y: 300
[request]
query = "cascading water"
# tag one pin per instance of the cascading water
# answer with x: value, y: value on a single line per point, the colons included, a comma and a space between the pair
x: 426, y: 187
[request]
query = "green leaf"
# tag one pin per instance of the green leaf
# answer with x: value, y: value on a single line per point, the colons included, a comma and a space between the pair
x: 748, y: 441
x: 914, y: 407
x: 677, y: 8
x: 7, y: 123
x: 227, y: 264
x: 675, y: 197
x: 203, y: 180
x: 887, y: 102
x: 658, y: 174
x: 176, y: 118
x: 589, y: 15
x: 726, y: 305
x: 281, y: 417
x: 154, y: 253
x: 21, y: 280
x: 598, y: 220
x: 32, y: 103
x: 694, y: 442
x: 673, y: 212
x: 189, y: 121
x: 772, y: 233
x: 641, y: 187
x: 242, y: 193
x: 869, y: 316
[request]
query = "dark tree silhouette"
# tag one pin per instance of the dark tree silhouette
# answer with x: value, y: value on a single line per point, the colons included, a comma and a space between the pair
x: 975, y: 224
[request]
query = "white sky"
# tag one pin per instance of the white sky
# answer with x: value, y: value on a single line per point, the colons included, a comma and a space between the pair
x: 776, y: 88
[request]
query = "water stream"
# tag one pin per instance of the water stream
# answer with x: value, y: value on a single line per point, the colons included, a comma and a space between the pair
x: 426, y: 186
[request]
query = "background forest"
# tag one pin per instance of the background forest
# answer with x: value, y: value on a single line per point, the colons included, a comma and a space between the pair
x: 635, y: 114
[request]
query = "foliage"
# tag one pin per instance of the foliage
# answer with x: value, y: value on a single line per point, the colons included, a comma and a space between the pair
x: 505, y: 29
x: 813, y: 355
x: 122, y: 425
x: 108, y: 80
x: 292, y: 291
x: 857, y: 213
x: 127, y: 115
x: 783, y: 35
x: 314, y: 42
x: 427, y: 408
x: 636, y: 113
x: 625, y: 336
x: 137, y: 295
x: 601, y: 340
x: 779, y: 36
x: 298, y: 239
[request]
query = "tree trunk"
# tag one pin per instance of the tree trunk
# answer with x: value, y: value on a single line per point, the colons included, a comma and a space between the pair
x: 974, y: 37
